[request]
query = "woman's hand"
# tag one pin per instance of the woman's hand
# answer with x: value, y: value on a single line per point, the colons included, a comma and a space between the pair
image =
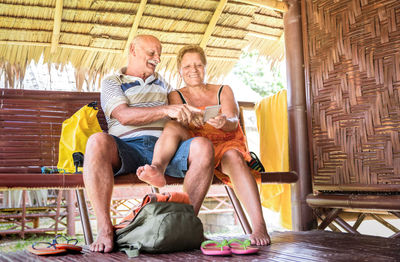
x: 218, y: 122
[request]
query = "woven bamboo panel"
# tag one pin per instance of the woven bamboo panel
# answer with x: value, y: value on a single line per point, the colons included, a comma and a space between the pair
x: 354, y: 70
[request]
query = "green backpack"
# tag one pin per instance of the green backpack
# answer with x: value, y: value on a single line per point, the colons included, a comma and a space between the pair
x: 161, y: 227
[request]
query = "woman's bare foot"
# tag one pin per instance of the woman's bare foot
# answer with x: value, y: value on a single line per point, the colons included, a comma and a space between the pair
x: 104, y: 243
x: 260, y: 238
x: 152, y: 175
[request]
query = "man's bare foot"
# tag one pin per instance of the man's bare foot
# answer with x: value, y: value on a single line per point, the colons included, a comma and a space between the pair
x: 104, y: 243
x: 260, y: 238
x: 152, y: 175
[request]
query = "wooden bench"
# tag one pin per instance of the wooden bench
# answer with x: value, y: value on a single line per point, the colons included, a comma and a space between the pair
x: 30, y: 128
x: 328, y: 206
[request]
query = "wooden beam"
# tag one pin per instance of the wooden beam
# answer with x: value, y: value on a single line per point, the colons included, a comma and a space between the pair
x: 135, y: 26
x: 270, y: 4
x: 224, y: 58
x: 24, y: 43
x: 213, y: 22
x: 88, y: 48
x: 106, y: 50
x: 94, y: 49
x: 263, y: 36
x: 57, y: 26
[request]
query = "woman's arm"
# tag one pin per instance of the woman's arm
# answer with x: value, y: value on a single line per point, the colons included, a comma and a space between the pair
x: 228, y: 120
x: 174, y: 98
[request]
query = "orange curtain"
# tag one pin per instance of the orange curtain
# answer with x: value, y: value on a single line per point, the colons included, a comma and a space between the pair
x: 272, y: 124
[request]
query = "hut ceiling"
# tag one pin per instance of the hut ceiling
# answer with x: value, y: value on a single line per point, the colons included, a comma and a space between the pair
x: 94, y: 35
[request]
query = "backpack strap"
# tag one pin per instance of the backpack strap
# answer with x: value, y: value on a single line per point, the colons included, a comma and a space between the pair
x: 133, y: 250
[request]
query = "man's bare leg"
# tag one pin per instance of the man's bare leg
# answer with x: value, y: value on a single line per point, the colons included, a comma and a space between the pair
x: 201, y: 171
x: 245, y: 187
x: 164, y: 150
x: 100, y: 158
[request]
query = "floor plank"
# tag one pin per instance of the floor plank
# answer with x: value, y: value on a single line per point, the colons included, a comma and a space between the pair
x: 286, y: 247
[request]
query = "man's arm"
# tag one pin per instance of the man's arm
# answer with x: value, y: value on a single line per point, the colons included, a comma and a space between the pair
x: 137, y: 116
x: 197, y: 114
x: 115, y: 105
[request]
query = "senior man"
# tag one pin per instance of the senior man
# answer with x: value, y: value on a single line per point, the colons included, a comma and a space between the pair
x: 135, y: 102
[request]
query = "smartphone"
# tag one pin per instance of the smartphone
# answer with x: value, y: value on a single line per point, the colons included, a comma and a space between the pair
x: 210, y: 112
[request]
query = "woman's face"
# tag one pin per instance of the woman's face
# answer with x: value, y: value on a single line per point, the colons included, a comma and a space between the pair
x: 192, y: 69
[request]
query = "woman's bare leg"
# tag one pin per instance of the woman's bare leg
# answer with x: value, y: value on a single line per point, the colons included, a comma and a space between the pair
x: 164, y: 150
x: 245, y: 187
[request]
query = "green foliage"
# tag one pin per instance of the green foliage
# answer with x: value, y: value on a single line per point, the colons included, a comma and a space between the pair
x: 259, y: 74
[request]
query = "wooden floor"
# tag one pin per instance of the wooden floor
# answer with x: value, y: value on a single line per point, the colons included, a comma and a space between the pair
x: 286, y: 246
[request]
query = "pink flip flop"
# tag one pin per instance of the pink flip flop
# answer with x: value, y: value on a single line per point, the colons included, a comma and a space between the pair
x: 215, y: 248
x: 239, y: 247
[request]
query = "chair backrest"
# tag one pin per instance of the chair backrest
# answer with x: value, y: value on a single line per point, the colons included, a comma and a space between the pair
x: 30, y: 126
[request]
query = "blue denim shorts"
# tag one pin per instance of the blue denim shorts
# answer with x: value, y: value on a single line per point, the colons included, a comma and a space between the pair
x: 138, y: 151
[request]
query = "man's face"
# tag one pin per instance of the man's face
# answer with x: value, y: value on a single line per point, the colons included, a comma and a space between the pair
x: 147, y: 54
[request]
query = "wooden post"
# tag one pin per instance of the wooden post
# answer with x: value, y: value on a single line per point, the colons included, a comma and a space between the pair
x: 302, y: 215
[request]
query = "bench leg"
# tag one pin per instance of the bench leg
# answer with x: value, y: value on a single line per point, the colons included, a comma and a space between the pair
x: 84, y: 214
x: 23, y: 217
x: 238, y: 210
x: 70, y: 213
x: 57, y: 218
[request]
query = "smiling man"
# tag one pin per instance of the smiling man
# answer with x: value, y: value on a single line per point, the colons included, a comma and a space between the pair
x: 135, y: 103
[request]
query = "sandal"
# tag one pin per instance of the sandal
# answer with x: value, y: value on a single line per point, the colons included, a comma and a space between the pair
x: 255, y: 163
x: 215, y: 248
x: 239, y: 247
x: 68, y: 244
x: 45, y: 248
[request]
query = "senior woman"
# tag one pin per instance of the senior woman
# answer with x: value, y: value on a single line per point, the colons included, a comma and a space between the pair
x: 223, y: 130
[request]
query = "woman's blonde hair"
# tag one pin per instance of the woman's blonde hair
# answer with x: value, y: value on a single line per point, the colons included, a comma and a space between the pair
x: 190, y: 49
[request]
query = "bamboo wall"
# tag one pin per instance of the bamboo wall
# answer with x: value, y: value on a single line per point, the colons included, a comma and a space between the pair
x: 353, y: 80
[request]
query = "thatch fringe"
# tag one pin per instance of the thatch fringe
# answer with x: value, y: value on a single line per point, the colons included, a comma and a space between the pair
x: 93, y: 34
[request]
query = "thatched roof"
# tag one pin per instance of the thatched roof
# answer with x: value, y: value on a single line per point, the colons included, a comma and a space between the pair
x: 94, y: 35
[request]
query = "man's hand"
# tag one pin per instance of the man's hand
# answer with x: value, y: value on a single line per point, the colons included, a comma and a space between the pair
x: 185, y: 114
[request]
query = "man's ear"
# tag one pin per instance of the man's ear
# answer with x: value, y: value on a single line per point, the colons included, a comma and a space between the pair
x: 132, y: 49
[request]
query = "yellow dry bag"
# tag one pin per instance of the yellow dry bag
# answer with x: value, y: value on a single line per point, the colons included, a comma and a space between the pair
x: 74, y: 135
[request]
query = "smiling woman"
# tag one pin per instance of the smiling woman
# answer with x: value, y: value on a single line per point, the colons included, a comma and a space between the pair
x: 192, y: 69
x: 223, y: 130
